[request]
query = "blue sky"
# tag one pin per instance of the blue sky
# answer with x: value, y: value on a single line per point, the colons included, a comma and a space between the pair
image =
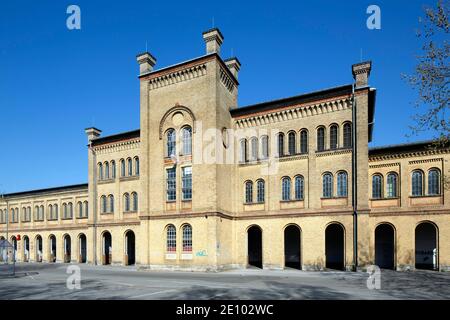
x: 55, y: 82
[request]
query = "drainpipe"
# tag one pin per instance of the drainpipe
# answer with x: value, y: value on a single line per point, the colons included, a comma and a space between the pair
x: 354, y: 182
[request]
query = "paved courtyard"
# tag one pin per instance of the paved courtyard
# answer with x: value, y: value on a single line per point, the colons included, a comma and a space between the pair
x: 48, y: 281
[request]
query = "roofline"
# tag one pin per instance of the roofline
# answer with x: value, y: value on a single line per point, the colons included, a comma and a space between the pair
x: 403, y: 147
x: 47, y: 190
x: 173, y: 66
x: 306, y: 97
x: 117, y: 137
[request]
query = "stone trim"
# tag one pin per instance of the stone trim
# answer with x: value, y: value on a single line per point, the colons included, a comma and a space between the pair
x: 407, y: 155
x: 185, y: 74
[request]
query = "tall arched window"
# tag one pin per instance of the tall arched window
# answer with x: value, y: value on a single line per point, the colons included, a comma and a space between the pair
x: 286, y: 189
x: 243, y: 151
x: 187, y: 238
x: 70, y: 210
x: 347, y: 135
x: 29, y: 213
x: 130, y: 166
x: 100, y: 171
x: 113, y: 169
x: 391, y: 186
x: 103, y: 204
x: 187, y: 140
x: 248, y: 192
x: 342, y: 184
x: 434, y: 182
x: 377, y: 186
x: 291, y: 143
x: 80, y: 209
x: 126, y: 202
x: 280, y: 145
x: 41, y: 209
x: 86, y: 209
x: 171, y: 142
x: 122, y: 168
x: 264, y: 147
x: 136, y: 166
x: 50, y: 212
x: 65, y: 211
x: 299, y: 188
x: 260, y: 192
x: 303, y: 141
x: 334, y: 137
x: 254, y: 144
x: 417, y: 183
x: 134, y: 196
x: 106, y: 170
x: 327, y: 185
x: 111, y: 203
x: 55, y: 210
x: 171, y: 239
x: 321, y: 139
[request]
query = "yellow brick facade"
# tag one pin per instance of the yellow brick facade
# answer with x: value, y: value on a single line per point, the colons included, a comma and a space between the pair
x: 124, y: 214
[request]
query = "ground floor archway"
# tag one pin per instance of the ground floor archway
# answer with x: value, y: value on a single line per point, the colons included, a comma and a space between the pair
x: 67, y: 249
x: 254, y: 245
x: 82, y: 252
x: 38, y: 248
x: 107, y: 248
x: 14, y: 244
x: 334, y: 247
x: 292, y: 247
x: 26, y: 249
x: 426, y: 246
x: 130, y: 250
x: 52, y: 248
x: 385, y: 246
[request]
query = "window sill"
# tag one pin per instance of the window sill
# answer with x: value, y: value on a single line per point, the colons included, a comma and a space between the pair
x: 291, y: 200
x: 106, y: 213
x: 131, y: 211
x: 129, y: 178
x: 426, y: 196
x: 71, y: 218
x: 81, y: 217
x: 104, y: 181
x: 386, y: 198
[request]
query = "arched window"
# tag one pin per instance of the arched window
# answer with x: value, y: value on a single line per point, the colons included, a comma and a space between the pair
x: 106, y: 170
x: 29, y: 213
x: 280, y: 145
x: 327, y: 185
x: 103, y: 204
x: 80, y: 209
x: 187, y: 238
x: 248, y: 192
x: 299, y: 188
x: 100, y: 171
x: 126, y: 202
x: 171, y: 142
x: 111, y: 203
x: 254, y: 144
x: 122, y: 168
x: 377, y: 186
x: 264, y: 147
x: 321, y: 139
x: 303, y: 141
x: 243, y: 151
x: 171, y: 239
x: 417, y: 183
x: 342, y: 184
x: 70, y: 210
x: 334, y: 137
x: 36, y: 213
x: 64, y: 210
x: 113, y: 169
x: 50, y: 212
x: 286, y: 189
x: 347, y: 135
x: 41, y: 209
x: 130, y: 166
x: 391, y: 185
x: 1, y: 217
x: 55, y: 209
x: 135, y: 201
x: 260, y: 191
x: 136, y: 166
x: 187, y: 140
x: 434, y: 182
x: 291, y: 143
x: 86, y: 209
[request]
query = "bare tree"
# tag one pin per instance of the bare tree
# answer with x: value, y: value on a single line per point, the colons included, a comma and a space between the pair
x: 431, y: 75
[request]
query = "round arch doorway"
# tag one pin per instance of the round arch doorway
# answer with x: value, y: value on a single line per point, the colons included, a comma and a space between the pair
x: 254, y: 247
x: 292, y: 247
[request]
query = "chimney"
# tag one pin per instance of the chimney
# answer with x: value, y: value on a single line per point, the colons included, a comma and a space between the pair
x: 361, y: 72
x: 92, y: 133
x: 213, y: 39
x: 233, y: 65
x: 146, y: 62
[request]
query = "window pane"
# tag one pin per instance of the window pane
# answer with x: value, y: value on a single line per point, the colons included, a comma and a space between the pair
x: 347, y: 135
x: 433, y: 182
x: 286, y: 189
x: 320, y: 139
x: 171, y: 143
x: 187, y: 183
x: 327, y: 185
x: 248, y: 192
x: 392, y: 185
x: 130, y: 167
x: 417, y: 183
x: 265, y: 147
x: 304, y: 141
x: 187, y: 239
x: 171, y: 184
x: 377, y: 187
x: 254, y: 144
x: 187, y: 140
x: 291, y: 143
x: 333, y: 137
x: 280, y: 145
x: 342, y: 184
x: 299, y: 188
x: 171, y: 239
x: 243, y: 157
x: 260, y: 191
x: 136, y: 166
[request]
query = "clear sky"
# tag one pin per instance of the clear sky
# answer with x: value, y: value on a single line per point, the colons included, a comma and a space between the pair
x: 54, y: 82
